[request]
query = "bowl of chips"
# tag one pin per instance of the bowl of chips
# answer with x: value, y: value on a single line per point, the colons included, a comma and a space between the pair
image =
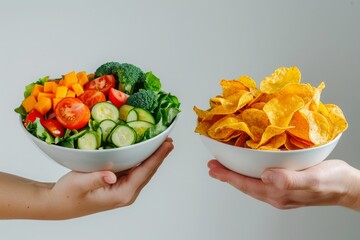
x: 283, y: 123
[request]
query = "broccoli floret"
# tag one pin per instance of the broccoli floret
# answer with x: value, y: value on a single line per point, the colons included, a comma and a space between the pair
x: 107, y: 68
x: 129, y: 77
x: 145, y: 99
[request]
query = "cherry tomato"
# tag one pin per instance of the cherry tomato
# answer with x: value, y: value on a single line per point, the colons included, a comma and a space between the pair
x: 31, y: 117
x: 72, y: 113
x: 54, y: 127
x: 117, y: 97
x: 92, y: 97
x: 103, y: 84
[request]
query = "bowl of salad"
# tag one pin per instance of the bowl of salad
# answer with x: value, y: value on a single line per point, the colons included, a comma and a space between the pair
x: 112, y: 119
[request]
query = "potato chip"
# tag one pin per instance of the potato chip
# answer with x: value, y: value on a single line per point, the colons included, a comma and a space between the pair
x: 279, y: 79
x: 230, y: 87
x: 283, y: 114
x: 270, y: 132
x: 274, y: 143
x: 233, y: 104
x: 337, y: 119
x: 240, y: 141
x: 314, y: 104
x: 256, y: 120
x: 300, y: 126
x: 281, y: 109
x: 299, y: 143
x: 319, y: 130
x: 258, y: 105
x: 247, y: 81
x: 305, y: 91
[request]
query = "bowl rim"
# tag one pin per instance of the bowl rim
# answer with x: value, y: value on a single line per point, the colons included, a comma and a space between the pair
x: 274, y: 151
x: 166, y: 131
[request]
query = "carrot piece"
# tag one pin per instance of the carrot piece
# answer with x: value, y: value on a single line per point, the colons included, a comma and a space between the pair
x: 78, y: 89
x: 37, y: 89
x: 61, y: 82
x: 70, y: 79
x: 91, y: 76
x: 82, y: 78
x: 70, y: 93
x: 55, y: 101
x: 50, y: 87
x: 29, y: 103
x: 61, y: 92
x: 43, y: 94
x: 43, y: 105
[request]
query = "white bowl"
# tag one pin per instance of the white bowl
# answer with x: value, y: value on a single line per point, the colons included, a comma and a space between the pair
x: 252, y: 162
x: 116, y: 159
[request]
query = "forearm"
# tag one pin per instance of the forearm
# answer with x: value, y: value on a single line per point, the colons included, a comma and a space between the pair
x: 23, y: 198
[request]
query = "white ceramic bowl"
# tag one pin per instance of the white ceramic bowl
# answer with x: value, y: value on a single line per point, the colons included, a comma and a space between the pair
x: 252, y: 162
x: 117, y: 159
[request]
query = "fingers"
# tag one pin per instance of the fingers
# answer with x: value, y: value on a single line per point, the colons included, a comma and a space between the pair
x: 86, y: 182
x: 247, y: 185
x: 139, y: 176
x: 290, y: 180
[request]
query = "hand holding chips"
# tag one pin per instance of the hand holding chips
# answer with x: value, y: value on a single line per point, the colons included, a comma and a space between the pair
x: 284, y: 114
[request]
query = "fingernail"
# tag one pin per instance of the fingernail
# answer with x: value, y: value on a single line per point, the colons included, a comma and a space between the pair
x: 268, y: 177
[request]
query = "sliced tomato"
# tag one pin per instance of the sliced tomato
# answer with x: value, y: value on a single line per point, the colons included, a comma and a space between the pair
x: 54, y: 127
x: 72, y: 113
x: 31, y: 117
x: 103, y: 84
x: 117, y: 97
x: 92, y: 97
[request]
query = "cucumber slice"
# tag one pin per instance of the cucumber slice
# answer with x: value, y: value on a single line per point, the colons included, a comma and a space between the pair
x: 76, y: 136
x: 132, y: 116
x: 104, y: 110
x: 106, y: 125
x: 144, y: 115
x: 100, y: 136
x: 88, y: 141
x: 140, y: 127
x: 122, y: 135
x: 124, y: 111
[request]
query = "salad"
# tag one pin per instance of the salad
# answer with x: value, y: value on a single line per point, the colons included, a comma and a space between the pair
x: 117, y: 105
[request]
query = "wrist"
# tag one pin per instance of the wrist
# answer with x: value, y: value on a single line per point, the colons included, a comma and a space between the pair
x: 351, y: 198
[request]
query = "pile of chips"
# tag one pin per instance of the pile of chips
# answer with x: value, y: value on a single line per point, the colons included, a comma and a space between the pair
x: 283, y: 114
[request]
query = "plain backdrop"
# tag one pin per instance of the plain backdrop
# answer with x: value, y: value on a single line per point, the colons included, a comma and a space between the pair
x: 191, y: 46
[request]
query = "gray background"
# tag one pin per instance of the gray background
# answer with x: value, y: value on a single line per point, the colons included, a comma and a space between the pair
x: 190, y: 45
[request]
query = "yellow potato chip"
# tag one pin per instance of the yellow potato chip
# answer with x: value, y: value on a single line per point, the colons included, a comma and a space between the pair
x: 299, y: 144
x: 230, y: 87
x: 256, y: 120
x: 275, y: 142
x: 218, y: 131
x: 258, y: 105
x: 319, y: 130
x: 314, y: 104
x: 232, y: 105
x: 247, y: 81
x: 337, y: 119
x: 240, y: 141
x: 279, y: 79
x: 281, y: 109
x: 305, y: 91
x: 300, y: 126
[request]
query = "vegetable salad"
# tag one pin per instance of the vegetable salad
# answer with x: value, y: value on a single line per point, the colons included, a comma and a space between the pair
x: 117, y: 105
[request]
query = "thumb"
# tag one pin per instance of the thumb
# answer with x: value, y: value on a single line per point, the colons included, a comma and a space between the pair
x: 287, y: 179
x: 87, y: 182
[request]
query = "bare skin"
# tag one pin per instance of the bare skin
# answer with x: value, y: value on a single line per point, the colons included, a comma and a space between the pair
x: 76, y: 194
x: 332, y: 182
